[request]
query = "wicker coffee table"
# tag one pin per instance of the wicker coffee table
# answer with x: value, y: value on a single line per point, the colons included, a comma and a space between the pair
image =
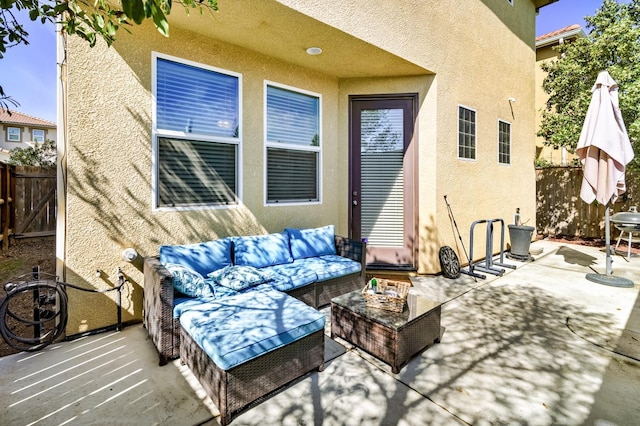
x: 390, y: 336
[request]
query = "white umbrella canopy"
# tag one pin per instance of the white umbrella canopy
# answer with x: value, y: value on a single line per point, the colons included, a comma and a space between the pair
x: 605, y: 150
x: 604, y: 147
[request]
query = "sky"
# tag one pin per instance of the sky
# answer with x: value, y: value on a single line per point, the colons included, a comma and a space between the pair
x: 566, y: 12
x: 28, y: 73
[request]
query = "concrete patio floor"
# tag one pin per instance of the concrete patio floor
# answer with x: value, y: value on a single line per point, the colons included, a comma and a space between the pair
x: 540, y: 345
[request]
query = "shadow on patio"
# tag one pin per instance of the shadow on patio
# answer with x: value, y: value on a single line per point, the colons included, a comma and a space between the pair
x: 518, y: 349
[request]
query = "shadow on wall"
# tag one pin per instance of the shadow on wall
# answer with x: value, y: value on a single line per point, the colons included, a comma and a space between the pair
x: 120, y: 208
x: 104, y: 302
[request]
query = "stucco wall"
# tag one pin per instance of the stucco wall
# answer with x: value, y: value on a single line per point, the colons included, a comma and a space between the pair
x: 478, y: 55
x: 482, y: 53
x: 109, y: 163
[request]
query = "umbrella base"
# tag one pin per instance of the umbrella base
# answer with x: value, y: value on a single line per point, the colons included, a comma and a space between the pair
x: 610, y: 280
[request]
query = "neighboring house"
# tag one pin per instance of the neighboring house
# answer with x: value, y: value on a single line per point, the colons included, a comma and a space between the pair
x: 546, y: 52
x: 272, y: 114
x: 18, y: 130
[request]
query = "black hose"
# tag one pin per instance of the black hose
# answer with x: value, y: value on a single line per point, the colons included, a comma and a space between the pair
x: 50, y: 314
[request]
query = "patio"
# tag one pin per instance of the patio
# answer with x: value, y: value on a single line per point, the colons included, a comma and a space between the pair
x: 540, y: 345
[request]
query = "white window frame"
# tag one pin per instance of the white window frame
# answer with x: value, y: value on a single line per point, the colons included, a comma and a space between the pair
x: 34, y: 137
x: 11, y: 132
x: 158, y: 133
x: 295, y: 147
x: 475, y: 134
x: 500, y: 142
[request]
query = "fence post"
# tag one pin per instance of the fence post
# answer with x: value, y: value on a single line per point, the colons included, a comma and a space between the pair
x: 5, y: 204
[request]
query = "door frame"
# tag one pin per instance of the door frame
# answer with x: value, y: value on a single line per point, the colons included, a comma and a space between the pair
x: 410, y: 166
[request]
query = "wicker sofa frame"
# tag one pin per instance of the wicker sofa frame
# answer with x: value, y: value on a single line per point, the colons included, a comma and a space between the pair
x: 164, y: 329
x: 243, y: 387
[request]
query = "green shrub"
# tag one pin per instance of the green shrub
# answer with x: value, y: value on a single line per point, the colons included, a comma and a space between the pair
x: 43, y: 155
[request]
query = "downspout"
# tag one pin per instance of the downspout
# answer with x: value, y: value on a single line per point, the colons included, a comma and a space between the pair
x: 61, y: 148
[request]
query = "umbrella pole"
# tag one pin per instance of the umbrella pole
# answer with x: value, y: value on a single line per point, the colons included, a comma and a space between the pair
x: 607, y: 242
x: 608, y: 278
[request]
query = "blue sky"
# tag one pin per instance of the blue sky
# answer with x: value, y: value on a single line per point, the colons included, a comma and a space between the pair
x: 28, y: 73
x: 566, y: 12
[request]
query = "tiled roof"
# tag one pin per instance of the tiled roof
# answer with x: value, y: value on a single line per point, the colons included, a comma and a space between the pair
x: 559, y: 32
x: 24, y: 119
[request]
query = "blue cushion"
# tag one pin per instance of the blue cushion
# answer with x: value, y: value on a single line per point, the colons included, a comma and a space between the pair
x: 242, y: 327
x: 189, y: 282
x: 262, y: 250
x: 329, y: 266
x: 238, y: 277
x: 312, y: 242
x: 201, y: 257
x: 290, y: 275
x: 184, y: 304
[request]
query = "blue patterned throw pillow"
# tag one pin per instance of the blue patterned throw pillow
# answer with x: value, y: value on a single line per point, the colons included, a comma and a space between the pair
x: 189, y: 282
x: 239, y: 277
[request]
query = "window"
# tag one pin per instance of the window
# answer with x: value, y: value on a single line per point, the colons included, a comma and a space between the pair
x: 466, y: 133
x: 504, y: 142
x: 293, y: 146
x: 13, y: 134
x: 37, y: 135
x: 196, y: 135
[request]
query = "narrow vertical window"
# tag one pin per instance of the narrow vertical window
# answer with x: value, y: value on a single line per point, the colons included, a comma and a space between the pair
x: 293, y: 146
x: 197, y: 135
x: 466, y: 133
x: 504, y: 142
x: 13, y: 134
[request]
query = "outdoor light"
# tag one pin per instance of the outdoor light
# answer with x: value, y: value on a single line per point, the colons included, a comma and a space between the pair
x: 314, y: 51
x: 129, y: 254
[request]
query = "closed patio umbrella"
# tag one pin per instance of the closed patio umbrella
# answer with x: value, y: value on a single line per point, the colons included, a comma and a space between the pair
x: 604, y: 150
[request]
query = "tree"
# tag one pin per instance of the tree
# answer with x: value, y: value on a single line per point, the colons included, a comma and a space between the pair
x: 90, y: 20
x: 40, y: 154
x: 613, y: 44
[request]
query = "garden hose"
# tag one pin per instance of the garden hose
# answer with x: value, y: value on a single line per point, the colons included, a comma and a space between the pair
x: 45, y: 301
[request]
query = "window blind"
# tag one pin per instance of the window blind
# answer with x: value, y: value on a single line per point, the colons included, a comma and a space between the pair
x: 196, y: 100
x: 192, y: 173
x: 292, y: 117
x: 292, y: 175
x: 382, y: 174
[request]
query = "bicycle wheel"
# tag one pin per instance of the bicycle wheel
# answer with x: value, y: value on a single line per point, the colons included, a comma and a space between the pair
x: 449, y: 262
x: 33, y: 315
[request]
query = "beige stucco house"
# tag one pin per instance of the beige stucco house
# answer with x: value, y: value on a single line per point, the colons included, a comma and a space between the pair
x: 293, y: 113
x: 19, y: 130
x: 545, y: 52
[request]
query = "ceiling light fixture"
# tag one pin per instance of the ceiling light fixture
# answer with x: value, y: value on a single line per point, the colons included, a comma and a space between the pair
x: 314, y: 51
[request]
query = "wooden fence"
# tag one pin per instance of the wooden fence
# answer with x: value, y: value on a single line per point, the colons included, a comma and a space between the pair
x: 27, y: 202
x: 28, y: 194
x: 561, y: 212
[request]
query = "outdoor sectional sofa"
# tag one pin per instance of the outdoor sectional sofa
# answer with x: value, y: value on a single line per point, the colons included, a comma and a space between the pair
x: 241, y: 311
